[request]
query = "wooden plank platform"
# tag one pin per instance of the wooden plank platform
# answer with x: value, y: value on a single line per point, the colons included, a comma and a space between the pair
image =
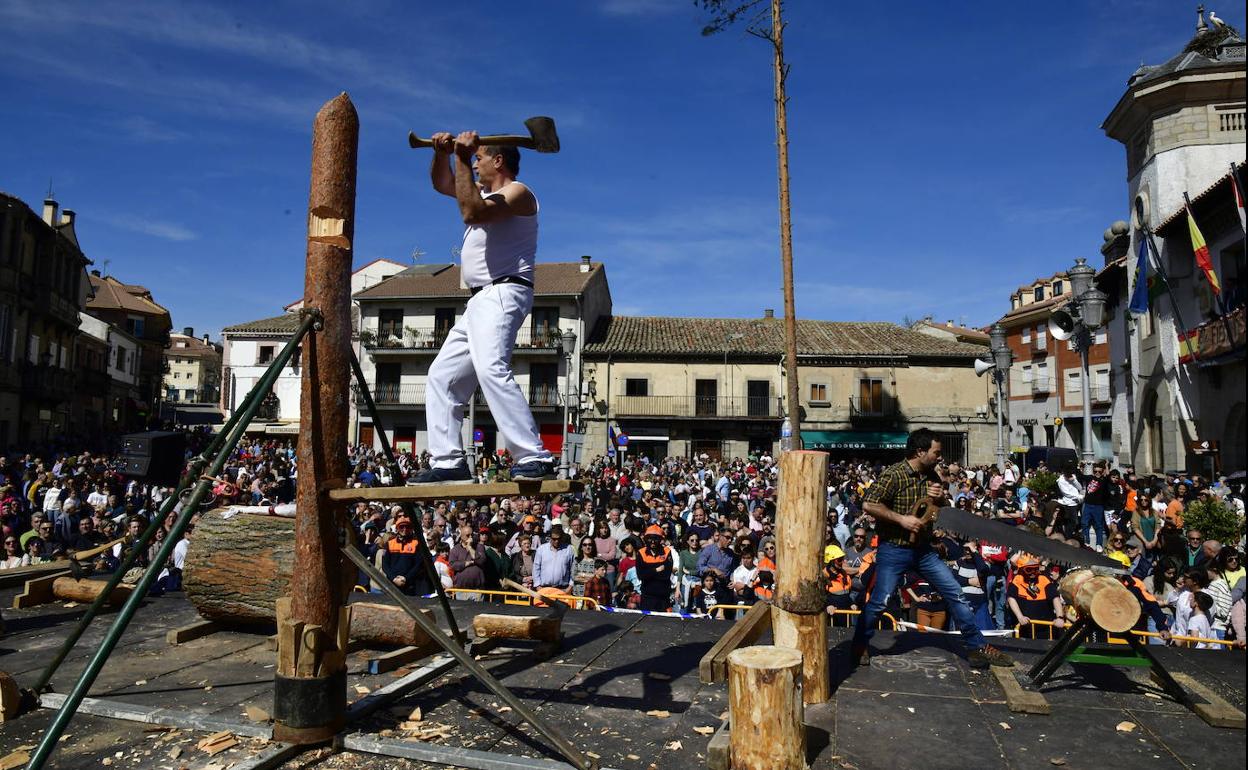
x: 714, y: 664
x: 417, y: 492
x: 1018, y: 699
x: 1215, y: 710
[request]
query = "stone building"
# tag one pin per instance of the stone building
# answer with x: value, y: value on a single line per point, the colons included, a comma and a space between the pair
x: 192, y: 369
x: 1182, y: 124
x: 247, y: 349
x: 714, y: 386
x: 404, y: 320
x: 131, y: 308
x: 1045, y: 390
x: 43, y: 285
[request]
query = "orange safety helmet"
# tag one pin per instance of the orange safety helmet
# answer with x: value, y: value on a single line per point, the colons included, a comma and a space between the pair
x: 654, y: 530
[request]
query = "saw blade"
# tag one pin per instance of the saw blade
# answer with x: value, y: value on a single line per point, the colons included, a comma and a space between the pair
x: 970, y: 526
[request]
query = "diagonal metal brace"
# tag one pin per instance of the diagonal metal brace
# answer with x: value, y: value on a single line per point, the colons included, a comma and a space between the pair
x: 569, y: 751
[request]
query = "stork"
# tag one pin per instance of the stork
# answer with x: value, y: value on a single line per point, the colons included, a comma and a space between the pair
x: 1218, y: 23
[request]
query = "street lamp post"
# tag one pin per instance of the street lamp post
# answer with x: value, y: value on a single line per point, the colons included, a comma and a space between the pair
x: 1002, y: 357
x: 1087, y: 307
x: 567, y: 347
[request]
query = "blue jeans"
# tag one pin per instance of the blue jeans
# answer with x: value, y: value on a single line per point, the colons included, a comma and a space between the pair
x: 1093, y: 518
x: 893, y: 561
x: 983, y: 618
x: 994, y: 595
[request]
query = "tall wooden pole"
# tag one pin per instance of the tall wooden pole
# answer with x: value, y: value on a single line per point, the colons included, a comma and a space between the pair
x: 792, y: 405
x: 798, y: 616
x: 310, y: 684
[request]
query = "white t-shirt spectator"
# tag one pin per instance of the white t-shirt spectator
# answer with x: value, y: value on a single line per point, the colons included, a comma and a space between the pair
x: 743, y: 575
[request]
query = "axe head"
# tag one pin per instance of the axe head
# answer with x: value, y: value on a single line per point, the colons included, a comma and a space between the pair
x: 542, y: 129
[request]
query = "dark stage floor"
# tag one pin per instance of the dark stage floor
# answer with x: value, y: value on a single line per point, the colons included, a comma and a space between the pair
x: 625, y: 687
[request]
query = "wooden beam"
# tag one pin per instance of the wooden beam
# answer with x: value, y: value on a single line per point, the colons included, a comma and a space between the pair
x: 37, y: 591
x: 418, y: 492
x: 195, y: 630
x: 749, y: 627
x: 1216, y: 711
x: 389, y: 661
x: 1018, y: 699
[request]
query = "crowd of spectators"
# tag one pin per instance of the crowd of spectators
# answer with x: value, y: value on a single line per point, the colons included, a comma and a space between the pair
x: 687, y: 535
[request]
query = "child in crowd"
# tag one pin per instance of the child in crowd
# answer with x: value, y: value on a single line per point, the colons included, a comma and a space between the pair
x: 1198, y: 623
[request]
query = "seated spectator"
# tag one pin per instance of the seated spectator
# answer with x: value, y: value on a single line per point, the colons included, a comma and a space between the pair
x: 1032, y: 596
x: 838, y: 583
x: 522, y: 563
x: 741, y: 583
x: 709, y: 594
x: 627, y: 598
x: 764, y: 586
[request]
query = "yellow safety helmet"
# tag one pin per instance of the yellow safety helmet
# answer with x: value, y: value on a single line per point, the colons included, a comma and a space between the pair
x: 831, y: 552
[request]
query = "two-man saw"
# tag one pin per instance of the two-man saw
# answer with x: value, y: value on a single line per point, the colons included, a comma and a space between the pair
x: 970, y: 526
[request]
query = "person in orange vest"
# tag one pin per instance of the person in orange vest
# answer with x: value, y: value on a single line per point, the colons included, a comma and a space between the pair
x: 1031, y: 595
x: 764, y: 586
x: 401, y: 561
x: 654, y: 571
x: 1150, y: 605
x: 839, y: 583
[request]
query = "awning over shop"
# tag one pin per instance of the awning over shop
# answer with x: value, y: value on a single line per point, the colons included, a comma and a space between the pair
x: 853, y: 439
x: 282, y: 428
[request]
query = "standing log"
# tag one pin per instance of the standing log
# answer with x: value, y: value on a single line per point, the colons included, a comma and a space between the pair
x: 530, y: 627
x: 798, y: 616
x: 765, y: 709
x: 1102, y: 598
x: 86, y: 591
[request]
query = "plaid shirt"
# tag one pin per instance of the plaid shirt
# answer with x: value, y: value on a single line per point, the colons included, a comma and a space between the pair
x: 899, y: 488
x: 599, y: 590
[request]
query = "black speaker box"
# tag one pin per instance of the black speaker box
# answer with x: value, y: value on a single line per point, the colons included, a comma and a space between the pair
x: 155, y: 456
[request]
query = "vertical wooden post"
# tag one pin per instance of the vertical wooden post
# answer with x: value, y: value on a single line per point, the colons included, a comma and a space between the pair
x: 765, y: 709
x: 310, y: 684
x: 798, y: 617
x: 792, y: 408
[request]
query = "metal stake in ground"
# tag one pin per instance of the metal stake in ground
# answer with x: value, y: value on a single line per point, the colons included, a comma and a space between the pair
x: 310, y: 687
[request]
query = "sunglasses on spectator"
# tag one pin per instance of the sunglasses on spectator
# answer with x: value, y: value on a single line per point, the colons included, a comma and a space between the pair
x: 1194, y: 539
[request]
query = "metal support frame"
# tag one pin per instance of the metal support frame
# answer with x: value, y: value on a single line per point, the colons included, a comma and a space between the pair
x: 234, y: 432
x: 421, y: 546
x: 1070, y: 648
x: 578, y: 760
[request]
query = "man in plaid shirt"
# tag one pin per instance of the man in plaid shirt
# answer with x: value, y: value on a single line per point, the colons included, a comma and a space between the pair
x: 891, y: 502
x: 597, y: 587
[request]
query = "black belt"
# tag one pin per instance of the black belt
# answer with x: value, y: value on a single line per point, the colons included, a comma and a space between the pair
x: 504, y: 279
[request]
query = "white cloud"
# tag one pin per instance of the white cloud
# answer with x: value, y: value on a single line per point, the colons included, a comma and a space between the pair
x: 641, y: 7
x: 168, y: 231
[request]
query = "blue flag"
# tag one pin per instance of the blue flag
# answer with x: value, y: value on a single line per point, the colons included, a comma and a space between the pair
x: 611, y: 441
x: 1139, y: 291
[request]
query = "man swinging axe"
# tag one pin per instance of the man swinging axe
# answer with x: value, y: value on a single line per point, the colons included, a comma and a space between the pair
x: 497, y: 266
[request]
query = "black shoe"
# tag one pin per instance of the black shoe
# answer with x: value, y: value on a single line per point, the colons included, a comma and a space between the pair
x: 535, y: 470
x: 456, y: 475
x: 989, y: 656
x: 860, y: 655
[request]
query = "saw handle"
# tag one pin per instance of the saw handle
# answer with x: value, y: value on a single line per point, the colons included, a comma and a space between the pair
x: 494, y: 140
x: 925, y: 510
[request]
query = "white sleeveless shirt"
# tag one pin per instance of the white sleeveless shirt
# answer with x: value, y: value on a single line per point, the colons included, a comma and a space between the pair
x: 496, y: 249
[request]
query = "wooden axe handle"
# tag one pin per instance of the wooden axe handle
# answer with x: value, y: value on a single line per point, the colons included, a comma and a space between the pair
x: 494, y: 140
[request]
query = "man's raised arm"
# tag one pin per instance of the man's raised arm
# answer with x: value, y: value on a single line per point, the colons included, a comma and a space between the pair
x: 440, y: 169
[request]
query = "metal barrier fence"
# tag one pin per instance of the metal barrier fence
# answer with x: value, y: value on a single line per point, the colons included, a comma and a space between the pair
x: 1044, y: 630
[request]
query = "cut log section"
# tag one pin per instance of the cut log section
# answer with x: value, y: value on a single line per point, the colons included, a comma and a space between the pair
x: 62, y: 586
x: 1102, y: 598
x: 529, y: 627
x: 765, y: 709
x: 238, y: 567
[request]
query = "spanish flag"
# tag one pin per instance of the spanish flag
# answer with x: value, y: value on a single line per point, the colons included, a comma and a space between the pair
x: 1201, y: 251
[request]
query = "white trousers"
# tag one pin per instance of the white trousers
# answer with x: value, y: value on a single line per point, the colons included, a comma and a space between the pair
x: 477, y: 351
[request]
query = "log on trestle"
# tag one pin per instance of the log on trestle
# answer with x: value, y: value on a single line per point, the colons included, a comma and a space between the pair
x: 238, y: 567
x: 1102, y: 598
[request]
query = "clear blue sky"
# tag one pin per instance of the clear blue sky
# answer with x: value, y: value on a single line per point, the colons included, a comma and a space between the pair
x: 942, y: 153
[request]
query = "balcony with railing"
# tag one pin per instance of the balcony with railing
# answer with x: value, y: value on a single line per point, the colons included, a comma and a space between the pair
x: 48, y: 383
x: 392, y: 395
x: 429, y: 339
x: 705, y: 407
x: 877, y: 407
x: 1041, y: 386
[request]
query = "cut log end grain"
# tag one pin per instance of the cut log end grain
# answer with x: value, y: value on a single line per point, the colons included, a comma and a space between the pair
x: 765, y: 704
x: 529, y: 627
